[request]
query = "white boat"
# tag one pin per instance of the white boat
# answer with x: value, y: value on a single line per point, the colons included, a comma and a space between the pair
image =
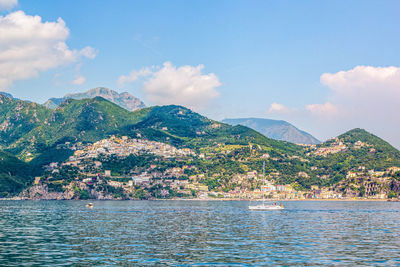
x: 264, y: 206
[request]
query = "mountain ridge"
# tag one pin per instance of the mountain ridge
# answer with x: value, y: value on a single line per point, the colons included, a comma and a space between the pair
x: 91, y: 119
x: 276, y: 129
x: 124, y: 99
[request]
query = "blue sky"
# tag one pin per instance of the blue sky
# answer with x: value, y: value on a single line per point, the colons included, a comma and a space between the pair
x: 261, y: 52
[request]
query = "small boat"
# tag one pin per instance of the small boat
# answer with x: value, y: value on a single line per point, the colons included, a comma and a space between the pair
x: 262, y: 206
x: 266, y: 207
x: 89, y: 205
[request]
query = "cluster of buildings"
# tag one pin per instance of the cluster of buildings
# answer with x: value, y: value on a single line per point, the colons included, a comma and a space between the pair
x: 335, y: 147
x: 125, y: 146
x: 374, y: 183
x: 245, y: 186
x: 368, y: 183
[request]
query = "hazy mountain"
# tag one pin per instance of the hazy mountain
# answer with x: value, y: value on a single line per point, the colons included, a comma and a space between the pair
x: 124, y: 100
x: 276, y: 129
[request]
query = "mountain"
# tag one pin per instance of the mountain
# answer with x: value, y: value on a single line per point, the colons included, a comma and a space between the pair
x: 221, y: 156
x: 38, y: 135
x: 53, y: 103
x: 15, y: 175
x: 7, y: 95
x: 86, y: 120
x: 89, y: 120
x: 124, y: 100
x: 18, y: 117
x: 184, y: 127
x: 356, y: 135
x: 353, y: 151
x: 276, y: 129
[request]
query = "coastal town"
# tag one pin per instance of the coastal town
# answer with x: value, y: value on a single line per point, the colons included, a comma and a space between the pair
x: 85, y: 175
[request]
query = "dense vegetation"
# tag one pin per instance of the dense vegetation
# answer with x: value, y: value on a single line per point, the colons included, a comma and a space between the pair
x: 15, y: 175
x: 378, y: 155
x: 17, y: 118
x: 89, y: 120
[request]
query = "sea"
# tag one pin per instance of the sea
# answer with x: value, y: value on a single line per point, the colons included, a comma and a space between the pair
x: 199, y: 233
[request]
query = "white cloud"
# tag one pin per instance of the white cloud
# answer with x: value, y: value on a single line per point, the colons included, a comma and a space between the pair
x: 8, y: 4
x: 276, y: 108
x: 185, y: 85
x: 323, y: 110
x: 364, y: 81
x: 29, y: 46
x: 134, y: 76
x: 80, y: 80
x: 365, y: 90
x: 366, y: 97
x: 88, y: 52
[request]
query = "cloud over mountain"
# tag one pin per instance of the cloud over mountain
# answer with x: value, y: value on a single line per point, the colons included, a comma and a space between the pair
x: 365, y: 96
x: 185, y: 85
x: 276, y: 108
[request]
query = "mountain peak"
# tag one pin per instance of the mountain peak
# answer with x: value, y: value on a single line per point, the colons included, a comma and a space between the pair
x: 6, y: 95
x: 98, y: 91
x: 124, y: 100
x: 357, y: 131
x: 358, y: 134
x: 360, y: 138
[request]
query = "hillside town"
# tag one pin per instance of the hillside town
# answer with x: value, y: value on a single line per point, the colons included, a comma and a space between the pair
x: 124, y: 147
x: 87, y: 175
x: 335, y: 146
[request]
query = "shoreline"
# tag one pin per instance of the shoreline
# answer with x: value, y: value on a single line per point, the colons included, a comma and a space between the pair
x: 286, y: 200
x: 215, y: 199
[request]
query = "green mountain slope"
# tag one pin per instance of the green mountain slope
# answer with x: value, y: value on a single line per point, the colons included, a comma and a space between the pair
x: 382, y: 147
x: 351, y: 151
x: 183, y: 127
x: 74, y: 121
x: 15, y: 175
x: 90, y: 120
x: 17, y: 118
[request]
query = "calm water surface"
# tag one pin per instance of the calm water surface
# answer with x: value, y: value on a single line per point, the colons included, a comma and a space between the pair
x: 199, y: 233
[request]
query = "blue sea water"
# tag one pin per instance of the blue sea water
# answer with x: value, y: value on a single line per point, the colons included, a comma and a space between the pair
x: 198, y: 233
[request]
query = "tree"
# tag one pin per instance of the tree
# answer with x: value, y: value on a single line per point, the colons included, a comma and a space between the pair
x: 392, y: 194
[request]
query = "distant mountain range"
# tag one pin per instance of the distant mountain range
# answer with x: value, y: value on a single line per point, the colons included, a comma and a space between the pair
x: 276, y: 129
x: 124, y: 100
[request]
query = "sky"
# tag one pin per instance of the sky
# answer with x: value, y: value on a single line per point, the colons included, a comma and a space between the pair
x: 324, y: 66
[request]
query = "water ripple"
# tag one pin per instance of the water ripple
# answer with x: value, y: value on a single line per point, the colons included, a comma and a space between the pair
x: 196, y: 233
